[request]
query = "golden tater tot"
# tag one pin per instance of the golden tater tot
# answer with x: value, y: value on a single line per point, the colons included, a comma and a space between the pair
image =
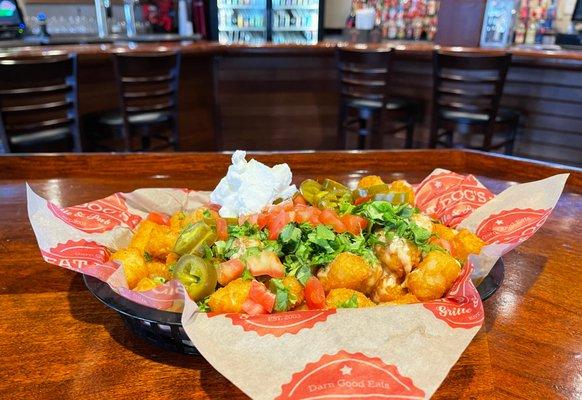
x: 403, y: 187
x: 465, y: 243
x: 295, y: 289
x: 389, y: 288
x: 230, y: 298
x: 434, y: 276
x: 142, y: 235
x: 408, y: 298
x: 370, y: 180
x: 133, y: 264
x: 399, y: 256
x: 180, y: 220
x: 158, y: 269
x: 161, y: 241
x: 145, y: 284
x: 444, y: 232
x: 338, y: 298
x: 172, y: 258
x: 349, y: 271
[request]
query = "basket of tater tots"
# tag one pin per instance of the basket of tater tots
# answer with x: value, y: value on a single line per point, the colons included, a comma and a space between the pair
x: 314, y: 290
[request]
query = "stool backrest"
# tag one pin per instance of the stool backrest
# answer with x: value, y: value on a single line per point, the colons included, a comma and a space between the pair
x: 364, y: 74
x: 147, y: 82
x: 39, y: 95
x: 469, y: 83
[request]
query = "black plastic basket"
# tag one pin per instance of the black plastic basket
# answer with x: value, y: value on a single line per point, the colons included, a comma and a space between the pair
x: 164, y: 328
x: 161, y: 328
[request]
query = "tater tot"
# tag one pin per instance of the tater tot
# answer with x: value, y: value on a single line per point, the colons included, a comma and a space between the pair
x: 158, y: 269
x: 389, y: 288
x: 465, y: 243
x: 142, y: 235
x: 399, y: 256
x: 370, y: 180
x: 339, y: 297
x: 444, y: 232
x: 133, y: 264
x: 145, y: 284
x: 295, y: 289
x: 180, y: 220
x: 408, y: 298
x: 434, y: 276
x: 349, y: 271
x: 161, y: 241
x: 230, y: 298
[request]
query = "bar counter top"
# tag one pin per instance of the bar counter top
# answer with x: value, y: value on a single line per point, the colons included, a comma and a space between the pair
x: 324, y: 48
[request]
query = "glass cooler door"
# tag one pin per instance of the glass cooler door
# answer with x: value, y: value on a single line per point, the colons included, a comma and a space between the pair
x: 295, y: 21
x: 242, y: 21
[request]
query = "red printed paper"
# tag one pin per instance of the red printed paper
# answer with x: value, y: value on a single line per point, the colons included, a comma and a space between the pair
x: 512, y: 226
x: 280, y: 323
x: 345, y: 375
x: 97, y: 216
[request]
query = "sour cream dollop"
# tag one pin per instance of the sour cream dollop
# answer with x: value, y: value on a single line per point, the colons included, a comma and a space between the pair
x: 250, y: 186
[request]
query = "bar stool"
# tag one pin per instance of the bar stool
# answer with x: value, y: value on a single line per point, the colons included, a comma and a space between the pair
x: 38, y: 104
x: 364, y: 77
x: 467, y: 89
x: 147, y: 84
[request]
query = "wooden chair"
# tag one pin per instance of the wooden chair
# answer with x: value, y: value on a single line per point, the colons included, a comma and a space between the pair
x: 364, y: 81
x: 147, y: 84
x: 38, y: 104
x: 466, y: 94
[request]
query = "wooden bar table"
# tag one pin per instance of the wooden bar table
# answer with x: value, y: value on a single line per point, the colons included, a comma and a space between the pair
x: 58, y: 342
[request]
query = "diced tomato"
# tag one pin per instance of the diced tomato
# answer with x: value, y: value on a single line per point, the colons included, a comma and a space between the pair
x: 314, y: 293
x: 266, y: 263
x: 159, y: 218
x: 304, y: 215
x: 262, y: 220
x: 276, y: 223
x: 214, y: 207
x: 261, y: 295
x: 361, y: 200
x: 329, y: 217
x: 221, y: 229
x: 298, y: 199
x: 354, y: 224
x: 229, y: 271
x: 253, y: 308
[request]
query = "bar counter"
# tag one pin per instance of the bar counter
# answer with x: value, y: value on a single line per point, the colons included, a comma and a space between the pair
x: 58, y: 342
x: 232, y: 96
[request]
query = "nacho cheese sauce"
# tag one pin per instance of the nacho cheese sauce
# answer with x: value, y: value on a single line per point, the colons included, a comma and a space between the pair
x: 250, y: 186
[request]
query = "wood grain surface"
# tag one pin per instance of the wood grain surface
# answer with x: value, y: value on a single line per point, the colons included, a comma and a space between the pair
x: 58, y: 342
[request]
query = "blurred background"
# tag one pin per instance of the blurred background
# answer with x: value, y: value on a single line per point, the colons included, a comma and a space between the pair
x: 267, y: 75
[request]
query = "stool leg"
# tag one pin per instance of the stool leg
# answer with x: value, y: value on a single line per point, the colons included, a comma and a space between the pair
x: 363, y: 132
x: 511, y: 140
x: 175, y: 138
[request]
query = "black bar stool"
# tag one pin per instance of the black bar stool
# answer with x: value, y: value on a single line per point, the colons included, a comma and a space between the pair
x: 147, y: 84
x: 467, y: 89
x: 364, y: 77
x: 38, y: 104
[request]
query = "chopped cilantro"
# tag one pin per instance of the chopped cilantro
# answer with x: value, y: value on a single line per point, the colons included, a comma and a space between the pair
x: 159, y: 279
x: 203, y: 304
x: 246, y: 275
x: 206, y: 214
x: 147, y: 256
x: 351, y: 303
